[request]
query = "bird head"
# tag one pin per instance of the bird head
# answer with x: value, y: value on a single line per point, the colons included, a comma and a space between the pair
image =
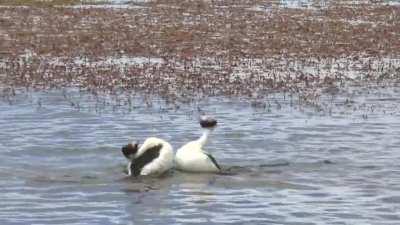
x: 130, y: 150
x: 207, y: 122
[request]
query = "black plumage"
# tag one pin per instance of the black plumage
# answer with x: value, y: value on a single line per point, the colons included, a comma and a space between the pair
x: 213, y: 160
x: 207, y: 122
x: 141, y: 161
x: 130, y: 150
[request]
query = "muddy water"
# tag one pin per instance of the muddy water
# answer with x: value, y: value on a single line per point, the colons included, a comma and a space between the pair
x: 61, y: 164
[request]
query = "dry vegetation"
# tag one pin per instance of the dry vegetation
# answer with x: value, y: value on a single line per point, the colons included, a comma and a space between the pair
x: 186, y: 50
x: 38, y: 2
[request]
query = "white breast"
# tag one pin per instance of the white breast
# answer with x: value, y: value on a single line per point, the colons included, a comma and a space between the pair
x: 192, y: 158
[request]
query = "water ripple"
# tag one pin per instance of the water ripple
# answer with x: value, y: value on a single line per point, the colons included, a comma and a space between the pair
x: 59, y: 165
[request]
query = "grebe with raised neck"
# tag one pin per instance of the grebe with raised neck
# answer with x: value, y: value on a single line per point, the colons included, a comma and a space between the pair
x: 192, y: 157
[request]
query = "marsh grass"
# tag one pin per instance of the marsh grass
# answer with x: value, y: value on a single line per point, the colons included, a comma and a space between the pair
x: 47, y: 3
x: 203, y: 49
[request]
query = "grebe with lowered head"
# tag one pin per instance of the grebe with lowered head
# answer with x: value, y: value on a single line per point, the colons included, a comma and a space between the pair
x: 192, y: 158
x: 154, y: 157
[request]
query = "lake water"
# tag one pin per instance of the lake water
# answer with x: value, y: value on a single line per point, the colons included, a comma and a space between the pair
x: 290, y: 164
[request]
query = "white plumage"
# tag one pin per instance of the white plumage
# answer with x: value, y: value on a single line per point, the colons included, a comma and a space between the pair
x: 193, y: 158
x: 154, y: 157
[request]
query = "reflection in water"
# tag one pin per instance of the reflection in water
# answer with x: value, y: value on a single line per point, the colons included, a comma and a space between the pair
x: 288, y: 165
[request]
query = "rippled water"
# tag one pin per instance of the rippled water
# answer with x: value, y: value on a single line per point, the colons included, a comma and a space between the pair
x: 292, y: 165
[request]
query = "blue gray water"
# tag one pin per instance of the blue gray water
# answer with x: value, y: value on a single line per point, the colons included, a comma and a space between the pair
x: 61, y: 164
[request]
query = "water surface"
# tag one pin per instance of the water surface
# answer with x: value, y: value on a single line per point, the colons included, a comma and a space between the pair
x: 61, y: 164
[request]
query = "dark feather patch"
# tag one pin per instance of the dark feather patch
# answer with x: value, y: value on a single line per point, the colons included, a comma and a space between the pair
x: 213, y: 160
x: 141, y: 161
x: 129, y: 150
x: 207, y: 122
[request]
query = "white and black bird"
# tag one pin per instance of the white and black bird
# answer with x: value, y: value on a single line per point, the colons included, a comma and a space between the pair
x: 154, y: 157
x: 192, y: 157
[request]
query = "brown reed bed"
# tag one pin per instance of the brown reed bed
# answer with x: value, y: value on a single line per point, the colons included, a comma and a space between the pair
x: 183, y: 51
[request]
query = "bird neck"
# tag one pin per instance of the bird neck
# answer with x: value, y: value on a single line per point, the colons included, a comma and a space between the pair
x: 204, y: 138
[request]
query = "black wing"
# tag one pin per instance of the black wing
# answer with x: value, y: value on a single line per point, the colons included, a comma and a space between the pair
x: 212, y: 160
x: 141, y: 161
